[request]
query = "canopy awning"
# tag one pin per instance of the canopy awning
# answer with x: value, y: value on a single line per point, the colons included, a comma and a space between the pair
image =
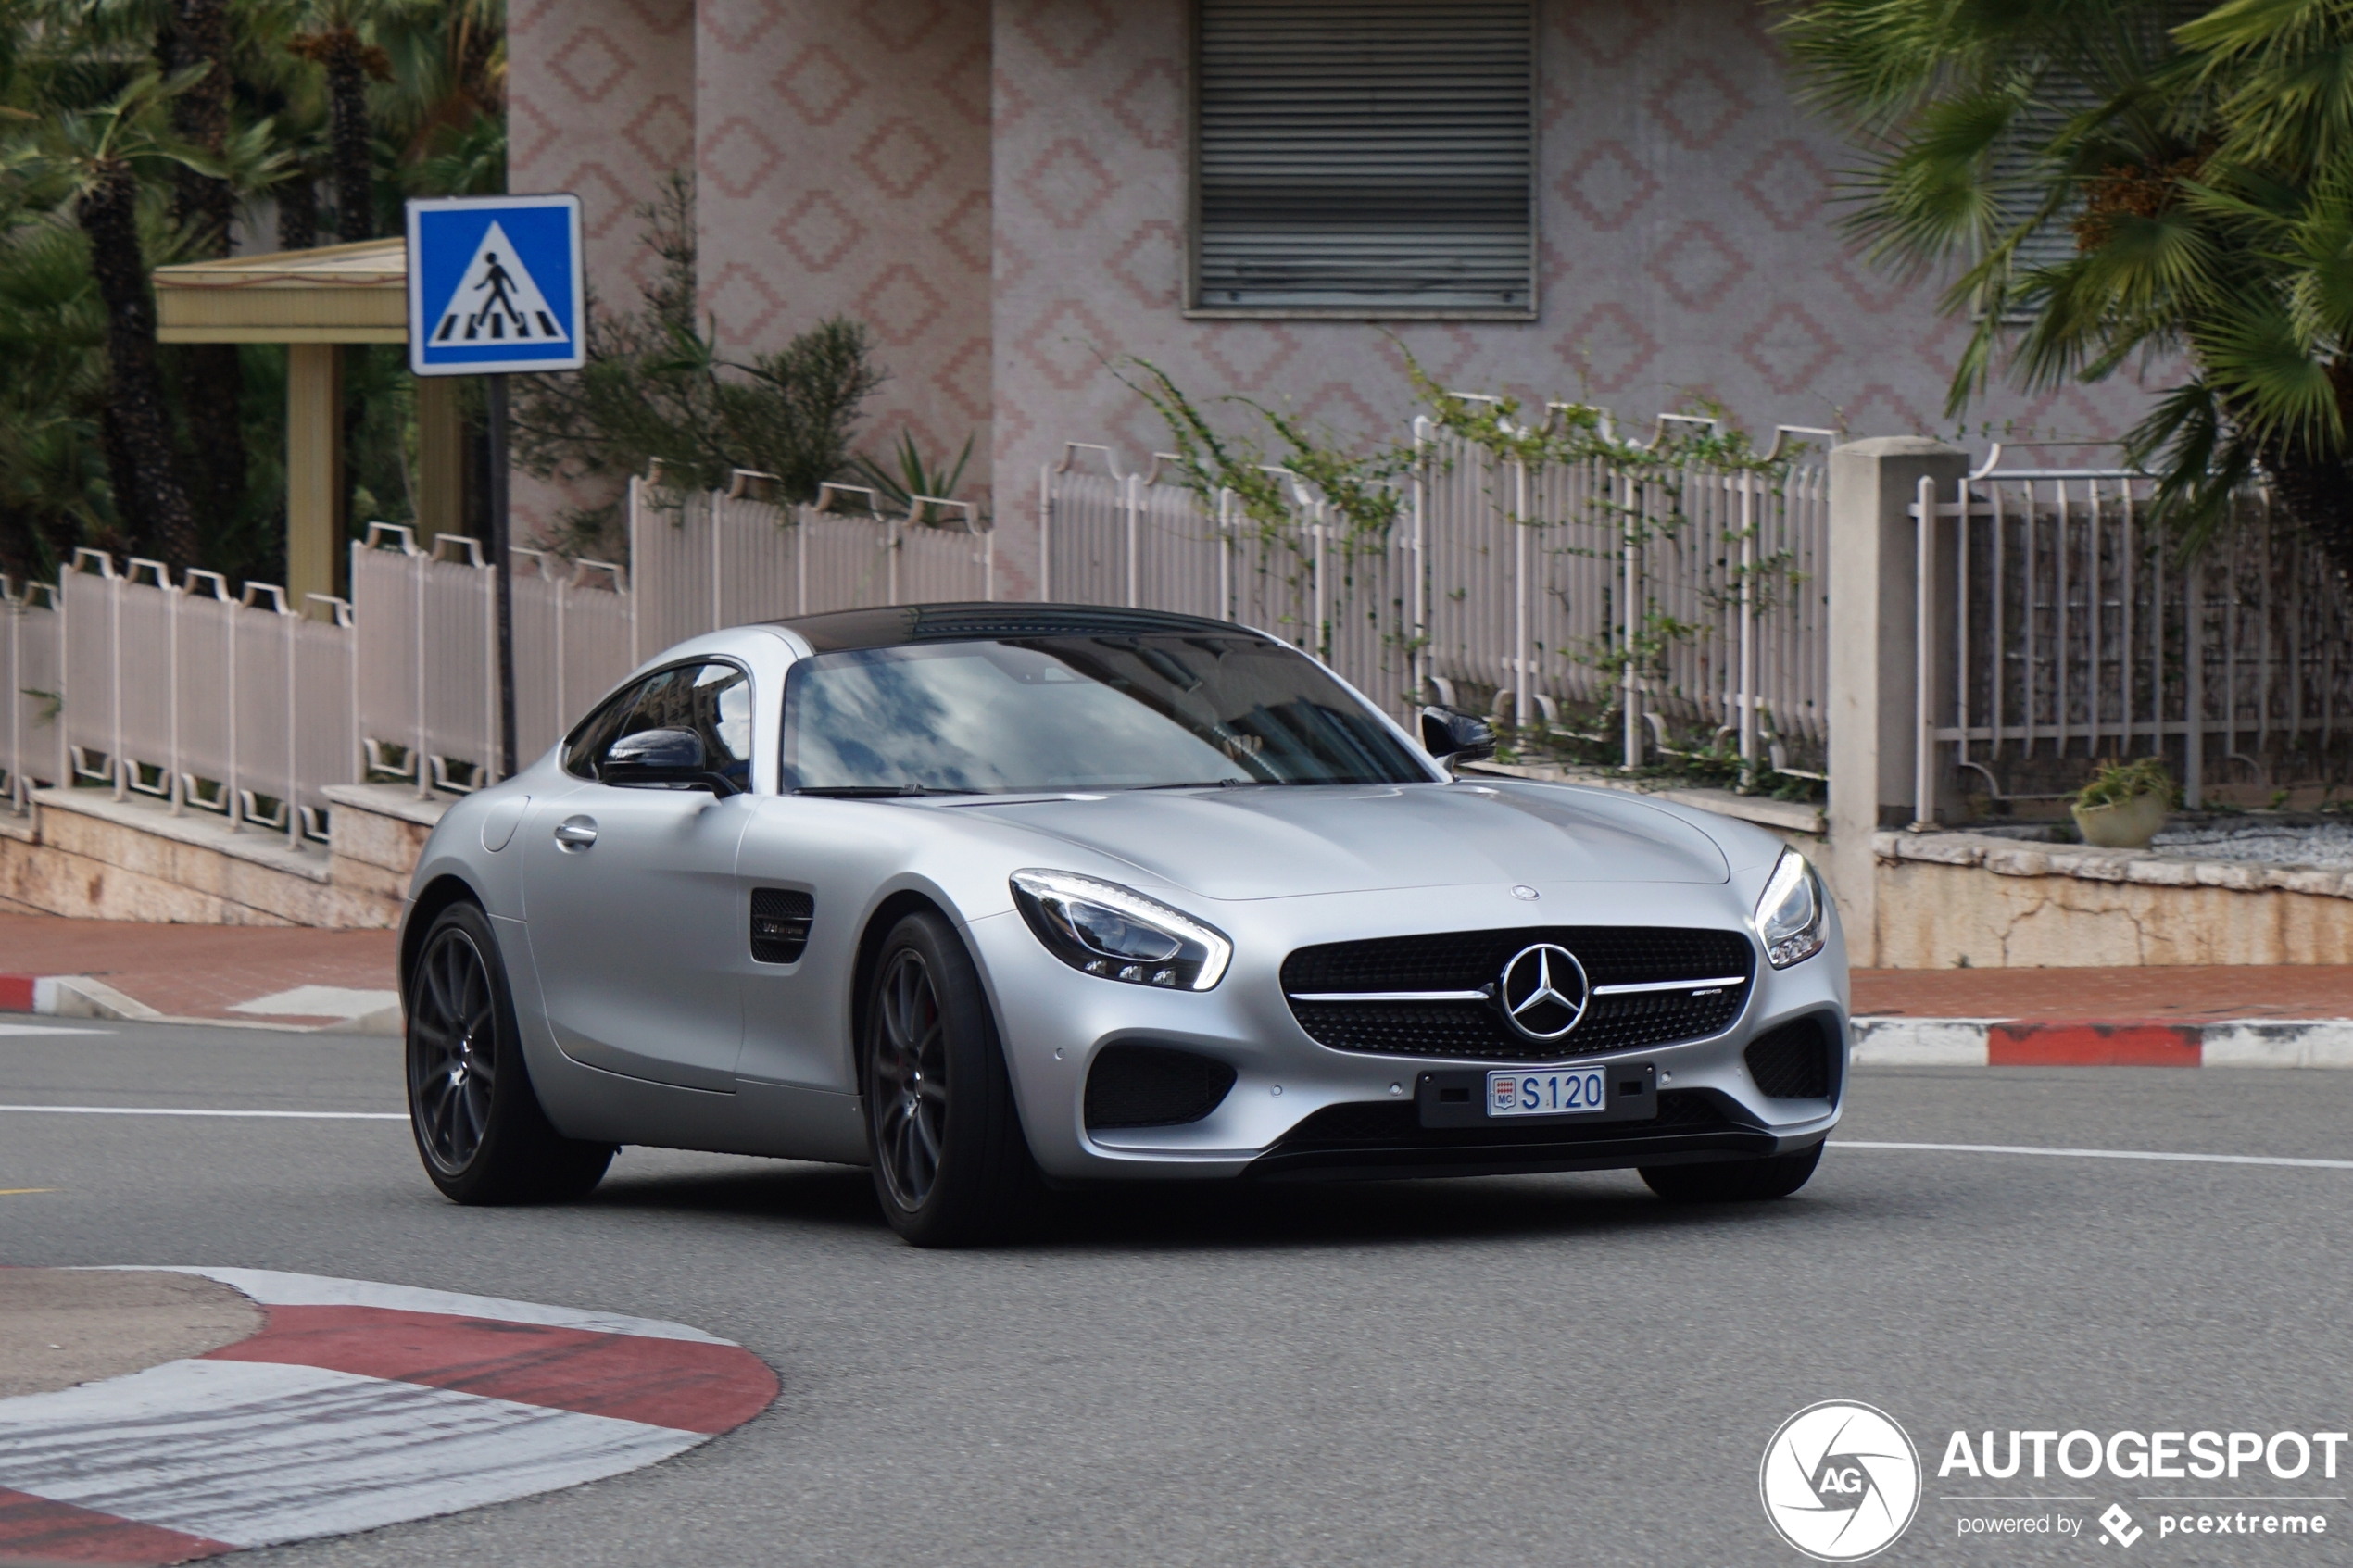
x: 356, y: 293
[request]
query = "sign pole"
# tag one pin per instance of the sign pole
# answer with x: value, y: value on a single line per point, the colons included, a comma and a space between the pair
x: 495, y: 286
x: 502, y: 563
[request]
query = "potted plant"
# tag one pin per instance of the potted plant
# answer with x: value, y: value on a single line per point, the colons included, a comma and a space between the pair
x: 2125, y: 804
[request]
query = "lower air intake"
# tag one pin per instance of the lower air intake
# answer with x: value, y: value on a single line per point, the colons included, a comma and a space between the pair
x: 1153, y: 1086
x: 1794, y: 1060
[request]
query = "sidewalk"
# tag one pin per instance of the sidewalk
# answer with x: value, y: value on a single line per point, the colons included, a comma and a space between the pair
x: 2285, y: 1015
x: 234, y: 974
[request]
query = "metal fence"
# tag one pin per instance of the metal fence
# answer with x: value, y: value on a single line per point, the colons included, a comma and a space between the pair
x: 2064, y: 629
x: 1688, y: 603
x: 705, y: 560
x: 125, y: 680
x: 31, y: 648
x: 135, y: 683
x: 427, y: 631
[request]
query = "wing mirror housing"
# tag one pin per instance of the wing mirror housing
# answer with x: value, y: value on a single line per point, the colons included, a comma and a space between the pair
x: 1455, y: 738
x: 662, y: 759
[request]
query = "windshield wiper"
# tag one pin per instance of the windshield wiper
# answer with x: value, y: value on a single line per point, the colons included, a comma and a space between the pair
x: 1210, y: 784
x: 874, y: 792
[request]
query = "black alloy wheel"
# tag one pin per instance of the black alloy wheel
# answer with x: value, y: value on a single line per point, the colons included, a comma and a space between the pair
x: 476, y: 1119
x: 951, y: 1164
x: 453, y: 1051
x: 1733, y: 1181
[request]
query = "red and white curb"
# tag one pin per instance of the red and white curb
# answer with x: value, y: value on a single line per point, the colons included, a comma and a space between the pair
x: 82, y: 995
x: 357, y: 1406
x: 2014, y: 1042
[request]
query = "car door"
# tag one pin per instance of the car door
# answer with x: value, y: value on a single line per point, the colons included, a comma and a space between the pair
x: 630, y: 893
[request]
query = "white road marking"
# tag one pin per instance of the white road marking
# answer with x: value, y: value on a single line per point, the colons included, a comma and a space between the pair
x: 171, y: 1110
x: 2100, y: 1154
x: 257, y: 1452
x: 7, y: 1029
x: 272, y: 1289
x: 320, y: 1001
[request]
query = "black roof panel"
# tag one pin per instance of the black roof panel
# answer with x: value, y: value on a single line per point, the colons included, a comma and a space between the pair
x: 977, y: 621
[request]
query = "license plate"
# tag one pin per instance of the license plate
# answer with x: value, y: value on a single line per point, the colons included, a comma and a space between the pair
x: 1555, y: 1091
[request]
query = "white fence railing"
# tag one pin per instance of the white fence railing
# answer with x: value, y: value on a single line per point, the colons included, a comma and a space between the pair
x: 1682, y: 598
x: 2075, y: 631
x: 123, y: 679
x: 31, y: 648
x: 708, y: 559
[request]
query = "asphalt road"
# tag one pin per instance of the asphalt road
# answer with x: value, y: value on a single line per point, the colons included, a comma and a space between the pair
x: 1528, y: 1370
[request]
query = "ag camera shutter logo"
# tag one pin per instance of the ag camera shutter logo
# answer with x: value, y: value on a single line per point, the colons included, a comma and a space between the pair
x: 1840, y: 1481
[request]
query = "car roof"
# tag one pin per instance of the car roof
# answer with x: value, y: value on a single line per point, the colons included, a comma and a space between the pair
x: 977, y: 621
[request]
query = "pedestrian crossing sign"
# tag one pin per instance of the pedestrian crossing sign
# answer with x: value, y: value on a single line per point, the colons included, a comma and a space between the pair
x: 494, y: 285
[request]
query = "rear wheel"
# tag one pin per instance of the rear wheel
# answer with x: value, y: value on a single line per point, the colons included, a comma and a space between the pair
x: 951, y: 1165
x: 478, y: 1122
x: 1733, y: 1181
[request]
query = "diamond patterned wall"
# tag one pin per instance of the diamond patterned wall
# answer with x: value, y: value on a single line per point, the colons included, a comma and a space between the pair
x: 999, y: 191
x: 844, y: 161
x: 600, y: 103
x: 1689, y: 249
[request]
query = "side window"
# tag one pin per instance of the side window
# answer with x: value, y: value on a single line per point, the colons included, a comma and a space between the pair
x: 599, y: 731
x: 713, y: 700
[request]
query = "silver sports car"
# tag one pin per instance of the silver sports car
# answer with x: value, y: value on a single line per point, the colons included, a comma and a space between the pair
x: 991, y: 897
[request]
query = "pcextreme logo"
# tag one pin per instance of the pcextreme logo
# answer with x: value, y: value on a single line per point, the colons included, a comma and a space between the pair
x: 1840, y: 1481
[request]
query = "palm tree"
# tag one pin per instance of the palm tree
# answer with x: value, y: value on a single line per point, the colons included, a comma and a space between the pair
x: 341, y: 40
x: 2114, y: 182
x: 94, y: 161
x: 211, y: 374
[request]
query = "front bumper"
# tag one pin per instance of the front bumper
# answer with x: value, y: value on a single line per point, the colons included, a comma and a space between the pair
x: 1055, y: 1020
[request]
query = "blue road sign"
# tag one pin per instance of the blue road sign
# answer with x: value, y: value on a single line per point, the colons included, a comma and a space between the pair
x: 494, y: 285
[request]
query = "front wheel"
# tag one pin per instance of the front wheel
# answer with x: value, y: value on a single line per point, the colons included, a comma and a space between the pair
x: 476, y: 1119
x: 951, y: 1165
x: 1733, y: 1181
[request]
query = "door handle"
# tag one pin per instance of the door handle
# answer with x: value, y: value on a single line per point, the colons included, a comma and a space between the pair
x: 576, y: 833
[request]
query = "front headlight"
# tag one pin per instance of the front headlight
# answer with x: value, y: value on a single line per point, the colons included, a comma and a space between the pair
x: 1103, y: 929
x: 1790, y: 915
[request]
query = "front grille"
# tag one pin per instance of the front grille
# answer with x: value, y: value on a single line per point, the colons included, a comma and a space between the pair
x: 1133, y: 1085
x: 1470, y: 960
x: 1794, y: 1060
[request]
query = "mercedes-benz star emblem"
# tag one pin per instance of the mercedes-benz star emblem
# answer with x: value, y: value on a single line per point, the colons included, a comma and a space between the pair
x: 1543, y: 991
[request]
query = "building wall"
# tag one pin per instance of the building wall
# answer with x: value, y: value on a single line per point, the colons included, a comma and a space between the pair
x: 841, y: 156
x: 1688, y: 250
x: 842, y: 150
x: 600, y: 99
x: 999, y: 191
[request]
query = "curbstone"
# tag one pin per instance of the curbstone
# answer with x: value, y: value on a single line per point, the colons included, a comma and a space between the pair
x: 1987, y: 1042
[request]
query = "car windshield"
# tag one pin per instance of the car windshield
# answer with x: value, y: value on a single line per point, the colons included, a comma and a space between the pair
x: 1054, y: 713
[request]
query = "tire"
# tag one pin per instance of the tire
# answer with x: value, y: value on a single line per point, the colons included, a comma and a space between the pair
x: 943, y: 1139
x: 1733, y: 1181
x: 472, y: 1109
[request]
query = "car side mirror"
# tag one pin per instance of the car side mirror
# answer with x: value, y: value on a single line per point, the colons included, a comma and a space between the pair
x: 1455, y: 738
x: 653, y: 759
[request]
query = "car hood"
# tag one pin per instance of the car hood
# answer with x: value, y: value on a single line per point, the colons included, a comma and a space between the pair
x: 1282, y: 840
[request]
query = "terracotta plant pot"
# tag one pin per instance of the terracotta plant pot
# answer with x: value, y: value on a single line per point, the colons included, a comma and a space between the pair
x: 2128, y: 824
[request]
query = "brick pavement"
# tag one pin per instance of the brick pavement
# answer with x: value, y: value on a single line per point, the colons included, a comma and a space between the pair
x: 2159, y: 994
x: 198, y: 970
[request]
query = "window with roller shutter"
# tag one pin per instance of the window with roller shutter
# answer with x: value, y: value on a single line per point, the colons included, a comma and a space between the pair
x: 1364, y: 158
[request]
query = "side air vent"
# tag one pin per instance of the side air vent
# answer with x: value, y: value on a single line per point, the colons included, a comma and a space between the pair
x: 1794, y: 1061
x: 780, y: 924
x: 1153, y: 1086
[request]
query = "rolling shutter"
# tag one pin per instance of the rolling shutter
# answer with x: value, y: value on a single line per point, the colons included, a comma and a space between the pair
x: 1366, y: 157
